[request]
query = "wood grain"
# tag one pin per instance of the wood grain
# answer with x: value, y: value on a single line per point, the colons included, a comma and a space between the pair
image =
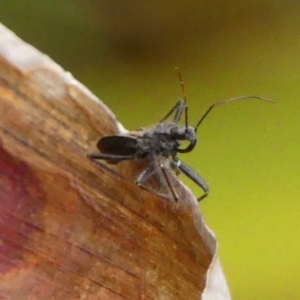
x: 71, y: 229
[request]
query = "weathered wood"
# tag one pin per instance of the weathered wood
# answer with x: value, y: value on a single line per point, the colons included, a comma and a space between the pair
x: 71, y: 229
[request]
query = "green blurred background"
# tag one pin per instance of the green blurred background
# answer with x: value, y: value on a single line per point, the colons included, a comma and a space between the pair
x: 126, y: 51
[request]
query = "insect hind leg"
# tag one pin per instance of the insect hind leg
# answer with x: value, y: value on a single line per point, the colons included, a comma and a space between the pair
x: 110, y: 158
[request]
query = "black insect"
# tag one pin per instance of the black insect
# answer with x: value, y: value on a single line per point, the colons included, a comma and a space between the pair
x: 161, y: 143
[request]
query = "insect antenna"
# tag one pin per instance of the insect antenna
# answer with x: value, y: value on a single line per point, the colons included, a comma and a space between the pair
x: 227, y: 101
x: 184, y: 98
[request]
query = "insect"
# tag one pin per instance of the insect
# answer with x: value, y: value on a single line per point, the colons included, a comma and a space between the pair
x: 161, y: 143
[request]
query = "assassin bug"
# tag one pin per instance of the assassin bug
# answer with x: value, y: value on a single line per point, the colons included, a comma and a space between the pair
x: 161, y: 143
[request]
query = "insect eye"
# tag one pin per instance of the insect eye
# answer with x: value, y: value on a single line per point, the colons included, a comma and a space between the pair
x: 177, y: 134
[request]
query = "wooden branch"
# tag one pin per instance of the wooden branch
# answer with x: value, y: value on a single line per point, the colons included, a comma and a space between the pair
x: 71, y: 229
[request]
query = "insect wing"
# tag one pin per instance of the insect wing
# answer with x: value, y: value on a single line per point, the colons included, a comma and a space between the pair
x: 118, y: 145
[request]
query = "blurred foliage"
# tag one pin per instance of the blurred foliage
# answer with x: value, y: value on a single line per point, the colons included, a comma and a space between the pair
x: 126, y: 52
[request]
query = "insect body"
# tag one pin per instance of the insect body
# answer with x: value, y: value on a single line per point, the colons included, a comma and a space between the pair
x: 160, y: 143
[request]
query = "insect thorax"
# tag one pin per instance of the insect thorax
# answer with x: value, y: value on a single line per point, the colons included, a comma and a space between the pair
x: 159, y: 141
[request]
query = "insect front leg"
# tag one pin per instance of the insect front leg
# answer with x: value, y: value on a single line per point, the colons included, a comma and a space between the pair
x: 179, y: 108
x: 186, y: 170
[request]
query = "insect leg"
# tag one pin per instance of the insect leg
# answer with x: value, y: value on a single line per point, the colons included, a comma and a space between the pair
x: 186, y: 170
x: 152, y: 169
x: 146, y: 174
x: 164, y: 171
x: 110, y: 157
x: 186, y: 121
x: 179, y: 107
